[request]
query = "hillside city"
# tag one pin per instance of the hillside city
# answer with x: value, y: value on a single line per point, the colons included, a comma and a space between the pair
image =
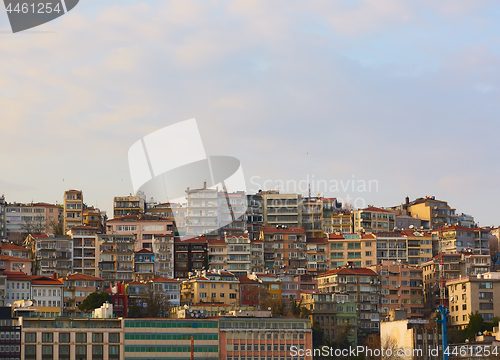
x: 242, y: 277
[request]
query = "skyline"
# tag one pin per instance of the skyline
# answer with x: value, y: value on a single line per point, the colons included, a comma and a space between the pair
x: 403, y: 94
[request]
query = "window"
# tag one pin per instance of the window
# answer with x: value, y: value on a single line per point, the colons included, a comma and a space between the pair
x: 30, y: 350
x: 114, y: 338
x: 64, y: 337
x: 81, y: 338
x: 368, y: 253
x: 47, y: 337
x: 97, y: 337
x: 485, y: 306
x: 81, y: 349
x: 47, y: 350
x: 97, y: 350
x: 114, y: 349
x: 64, y: 349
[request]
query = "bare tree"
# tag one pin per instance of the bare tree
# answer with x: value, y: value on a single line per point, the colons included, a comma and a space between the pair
x: 391, y: 349
x: 33, y: 226
x: 348, y: 207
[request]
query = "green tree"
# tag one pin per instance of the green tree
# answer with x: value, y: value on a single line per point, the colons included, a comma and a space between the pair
x: 94, y: 301
x: 476, y: 324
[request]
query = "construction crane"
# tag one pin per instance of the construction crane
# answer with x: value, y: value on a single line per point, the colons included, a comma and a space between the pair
x: 443, y: 310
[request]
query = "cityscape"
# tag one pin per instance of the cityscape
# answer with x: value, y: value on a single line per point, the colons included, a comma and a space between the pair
x: 290, y: 272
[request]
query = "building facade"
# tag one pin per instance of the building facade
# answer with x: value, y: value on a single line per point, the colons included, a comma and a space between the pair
x: 190, y: 255
x: 356, y: 249
x: 116, y: 258
x: 85, y: 251
x: 73, y: 209
x: 284, y: 249
x: 373, y: 219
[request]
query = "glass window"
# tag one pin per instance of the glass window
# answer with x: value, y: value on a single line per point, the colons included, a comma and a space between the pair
x: 114, y: 338
x: 81, y: 349
x: 114, y: 350
x: 47, y: 350
x: 63, y: 349
x: 96, y: 349
x: 47, y: 337
x: 81, y: 337
x: 64, y: 337
x: 30, y: 337
x: 97, y: 337
x: 30, y: 350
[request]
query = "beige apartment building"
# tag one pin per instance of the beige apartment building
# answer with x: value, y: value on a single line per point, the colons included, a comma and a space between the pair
x: 312, y: 216
x: 217, y: 287
x: 128, y: 205
x: 373, y: 219
x: 340, y: 222
x: 85, y: 252
x: 73, y: 209
x: 281, y: 209
x: 358, y: 249
x: 474, y: 293
x: 432, y: 213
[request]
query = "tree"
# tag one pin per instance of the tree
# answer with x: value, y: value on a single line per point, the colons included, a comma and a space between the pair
x: 348, y: 207
x: 94, y: 301
x: 157, y: 305
x: 476, y: 324
x: 391, y: 348
x: 56, y: 227
x: 34, y: 226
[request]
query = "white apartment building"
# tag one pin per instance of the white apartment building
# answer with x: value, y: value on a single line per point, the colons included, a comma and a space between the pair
x: 85, y: 257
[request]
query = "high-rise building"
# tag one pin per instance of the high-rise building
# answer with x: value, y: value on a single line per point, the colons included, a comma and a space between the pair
x: 190, y: 255
x: 254, y: 215
x: 116, y: 258
x: 85, y: 251
x: 281, y: 209
x: 231, y: 212
x: 54, y: 255
x: 284, y: 249
x: 373, y: 219
x: 163, y: 249
x: 202, y: 214
x: 239, y: 254
x: 73, y: 209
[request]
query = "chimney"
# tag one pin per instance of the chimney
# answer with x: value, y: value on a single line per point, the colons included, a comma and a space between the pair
x: 54, y: 276
x: 407, y: 200
x: 204, y: 185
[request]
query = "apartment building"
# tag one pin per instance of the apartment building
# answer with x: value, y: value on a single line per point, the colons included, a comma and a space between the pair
x: 239, y: 254
x: 281, y: 209
x: 72, y: 338
x: 171, y: 338
x: 33, y: 218
x: 14, y: 250
x: 457, y: 238
x: 129, y: 205
x: 3, y: 224
x: 143, y: 227
x: 293, y: 285
x: 451, y: 265
x: 169, y: 287
x: 257, y: 248
x: 163, y: 249
x: 209, y: 287
x: 47, y: 294
x: 10, y: 333
x: 217, y: 254
x: 94, y: 218
x: 231, y: 213
x: 12, y: 263
x: 356, y: 249
x: 373, y: 219
x: 174, y: 211
x: 3, y: 288
x: 340, y: 222
x: 312, y: 216
x: 317, y: 255
x: 190, y: 255
x: 144, y: 264
x: 17, y: 287
x: 76, y: 288
x: 284, y: 249
x: 392, y: 246
x: 54, y: 254
x: 361, y: 286
x: 434, y: 214
x: 268, y: 338
x: 116, y: 258
x: 401, y: 287
x: 255, y: 219
x: 73, y: 209
x: 85, y: 251
x: 420, y: 246
x: 201, y: 213
x: 270, y: 284
x: 474, y: 293
x: 334, y: 313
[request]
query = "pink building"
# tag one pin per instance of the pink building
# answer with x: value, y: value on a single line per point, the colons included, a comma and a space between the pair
x: 12, y: 263
x: 144, y: 227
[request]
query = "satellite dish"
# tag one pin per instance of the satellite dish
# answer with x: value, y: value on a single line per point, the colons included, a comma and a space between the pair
x: 269, y: 308
x: 185, y: 306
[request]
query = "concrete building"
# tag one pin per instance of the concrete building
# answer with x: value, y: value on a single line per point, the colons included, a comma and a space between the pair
x: 173, y: 211
x: 239, y: 259
x: 312, y: 216
x: 284, y: 249
x: 11, y: 263
x: 76, y: 288
x: 33, y: 218
x: 73, y: 209
x: 356, y: 249
x: 457, y: 238
x: 255, y: 219
x: 85, y: 251
x: 17, y: 287
x: 3, y: 224
x: 281, y: 209
x: 143, y: 227
x: 14, y: 250
x: 268, y: 338
x: 217, y: 254
x: 190, y: 255
x: 474, y: 293
x: 163, y: 249
x: 169, y: 287
x: 144, y: 265
x: 257, y: 248
x: 334, y: 313
x: 54, y: 254
x: 401, y: 287
x: 361, y: 286
x: 373, y: 219
x: 392, y: 246
x: 10, y: 333
x: 129, y: 205
x: 171, y: 338
x: 94, y: 218
x: 221, y: 287
x: 3, y: 288
x: 201, y: 212
x: 116, y: 258
x: 317, y: 255
x: 413, y: 337
x: 72, y: 338
x: 465, y: 221
x: 405, y: 222
x: 270, y: 284
x: 47, y: 294
x: 340, y: 222
x: 292, y: 286
x: 432, y: 213
x: 420, y: 246
x: 231, y: 213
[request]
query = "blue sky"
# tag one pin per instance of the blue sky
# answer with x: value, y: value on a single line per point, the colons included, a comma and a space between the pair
x: 404, y: 93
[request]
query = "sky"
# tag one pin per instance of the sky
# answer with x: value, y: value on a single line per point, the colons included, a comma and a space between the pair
x: 400, y: 95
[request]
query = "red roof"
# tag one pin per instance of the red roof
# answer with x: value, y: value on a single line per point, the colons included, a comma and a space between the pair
x: 44, y: 280
x: 13, y: 247
x: 269, y: 229
x: 171, y: 234
x: 216, y: 241
x: 12, y: 258
x: 16, y: 275
x: 144, y: 251
x: 256, y: 241
x: 454, y: 227
x: 246, y: 280
x: 316, y: 240
x: 199, y: 239
x: 81, y: 277
x: 373, y: 208
x: 335, y: 237
x: 348, y: 271
x: 163, y: 279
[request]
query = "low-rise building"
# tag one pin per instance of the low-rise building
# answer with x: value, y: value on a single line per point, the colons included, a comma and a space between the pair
x: 317, y: 255
x: 14, y: 250
x: 339, y: 222
x: 47, y: 294
x: 17, y: 287
x: 76, y: 288
x: 169, y: 287
x: 222, y: 287
x: 357, y: 249
x: 373, y: 219
x: 11, y: 263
